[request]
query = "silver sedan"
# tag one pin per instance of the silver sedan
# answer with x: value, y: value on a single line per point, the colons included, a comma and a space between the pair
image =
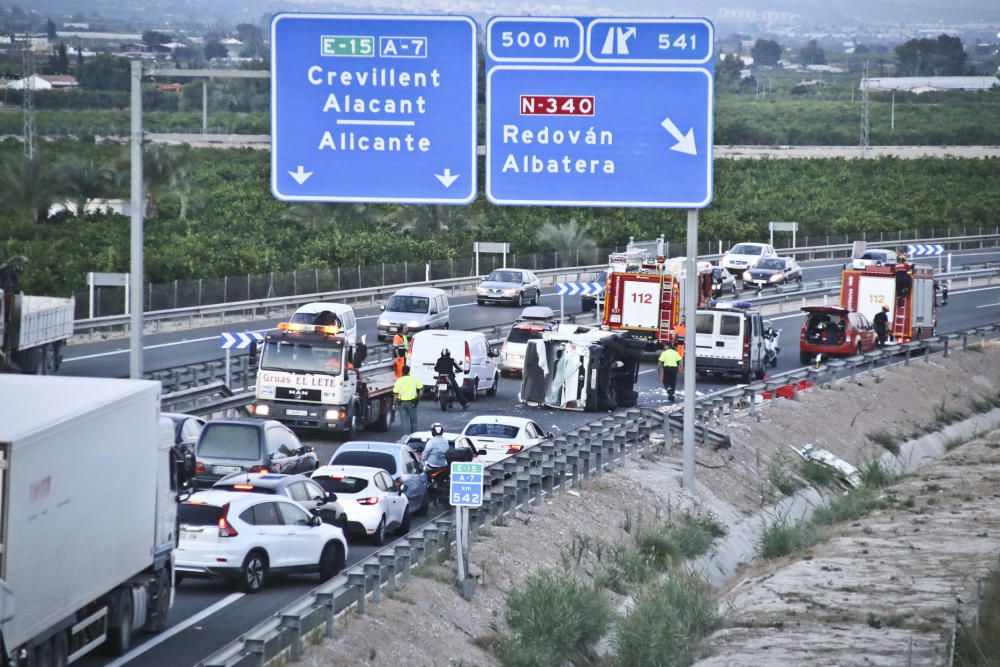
x: 513, y: 286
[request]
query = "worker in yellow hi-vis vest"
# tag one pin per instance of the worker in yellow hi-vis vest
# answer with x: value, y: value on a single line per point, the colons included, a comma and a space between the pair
x: 407, y: 393
x: 670, y: 363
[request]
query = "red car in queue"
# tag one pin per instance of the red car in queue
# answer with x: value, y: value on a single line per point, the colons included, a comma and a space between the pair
x: 836, y: 332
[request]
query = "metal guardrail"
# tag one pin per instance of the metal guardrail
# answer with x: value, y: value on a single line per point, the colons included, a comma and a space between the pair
x: 280, y: 306
x: 521, y: 481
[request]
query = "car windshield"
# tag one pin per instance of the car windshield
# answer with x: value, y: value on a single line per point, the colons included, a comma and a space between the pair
x: 341, y: 484
x: 746, y: 249
x: 523, y: 334
x: 719, y: 274
x: 492, y: 430
x: 408, y: 304
x: 504, y: 277
x: 876, y: 255
x: 230, y: 441
x: 777, y: 264
x: 198, y: 514
x: 286, y: 356
x: 381, y: 460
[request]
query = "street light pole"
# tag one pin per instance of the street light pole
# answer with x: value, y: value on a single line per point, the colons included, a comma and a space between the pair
x: 135, y: 278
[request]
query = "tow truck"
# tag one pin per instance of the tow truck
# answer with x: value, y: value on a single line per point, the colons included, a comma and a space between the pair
x: 906, y: 288
x: 646, y: 303
x: 311, y: 376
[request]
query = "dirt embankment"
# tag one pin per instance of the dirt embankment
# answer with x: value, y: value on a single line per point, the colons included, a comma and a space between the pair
x: 857, y: 598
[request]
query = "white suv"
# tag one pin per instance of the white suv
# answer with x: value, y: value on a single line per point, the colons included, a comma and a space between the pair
x: 248, y: 537
x: 743, y: 256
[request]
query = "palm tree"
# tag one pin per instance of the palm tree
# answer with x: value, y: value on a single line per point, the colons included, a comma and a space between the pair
x: 567, y: 239
x: 430, y: 219
x: 164, y: 175
x: 85, y: 180
x: 26, y: 188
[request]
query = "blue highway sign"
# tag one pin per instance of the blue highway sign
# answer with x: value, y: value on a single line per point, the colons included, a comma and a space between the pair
x: 580, y: 289
x: 239, y: 341
x: 924, y: 250
x: 373, y: 108
x: 466, y: 485
x: 599, y: 112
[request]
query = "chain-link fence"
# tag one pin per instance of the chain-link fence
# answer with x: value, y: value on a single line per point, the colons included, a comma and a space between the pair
x: 205, y: 291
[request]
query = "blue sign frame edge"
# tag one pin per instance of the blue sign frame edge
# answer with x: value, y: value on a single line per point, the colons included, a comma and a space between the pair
x: 474, y: 157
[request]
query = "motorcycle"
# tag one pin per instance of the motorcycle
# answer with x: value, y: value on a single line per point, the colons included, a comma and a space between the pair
x: 443, y: 392
x: 771, y: 348
x: 439, y: 479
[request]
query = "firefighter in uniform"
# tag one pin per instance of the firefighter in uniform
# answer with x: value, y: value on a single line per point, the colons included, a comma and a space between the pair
x: 669, y: 362
x: 399, y: 347
x: 407, y: 394
x: 680, y: 330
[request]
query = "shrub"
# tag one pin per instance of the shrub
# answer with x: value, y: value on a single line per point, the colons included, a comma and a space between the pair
x: 874, y: 475
x: 780, y: 477
x: 817, y: 474
x: 848, y: 507
x: 979, y: 643
x: 665, y: 624
x: 782, y: 537
x: 886, y: 440
x: 554, y: 619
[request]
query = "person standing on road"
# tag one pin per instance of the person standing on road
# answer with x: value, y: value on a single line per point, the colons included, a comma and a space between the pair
x: 881, y: 324
x: 680, y: 331
x: 669, y: 362
x: 407, y: 393
x: 399, y: 347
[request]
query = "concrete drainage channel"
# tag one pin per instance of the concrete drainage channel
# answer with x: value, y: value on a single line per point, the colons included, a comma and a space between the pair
x: 522, y: 481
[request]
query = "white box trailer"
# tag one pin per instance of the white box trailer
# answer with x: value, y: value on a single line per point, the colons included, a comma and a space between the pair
x: 88, y: 516
x: 33, y: 329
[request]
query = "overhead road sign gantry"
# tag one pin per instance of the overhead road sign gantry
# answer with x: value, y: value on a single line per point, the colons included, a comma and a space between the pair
x: 373, y: 108
x: 599, y: 112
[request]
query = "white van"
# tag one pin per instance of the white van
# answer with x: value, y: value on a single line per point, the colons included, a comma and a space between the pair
x: 416, y: 308
x: 730, y: 340
x: 322, y: 312
x: 469, y: 349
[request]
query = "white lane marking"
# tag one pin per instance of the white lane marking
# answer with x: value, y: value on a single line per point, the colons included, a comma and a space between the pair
x: 180, y: 627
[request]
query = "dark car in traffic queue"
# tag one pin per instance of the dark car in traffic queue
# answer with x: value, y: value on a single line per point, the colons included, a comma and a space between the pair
x: 772, y: 271
x: 300, y: 488
x: 226, y: 446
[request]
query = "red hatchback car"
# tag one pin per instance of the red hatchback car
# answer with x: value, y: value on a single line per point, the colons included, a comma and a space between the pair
x: 834, y: 331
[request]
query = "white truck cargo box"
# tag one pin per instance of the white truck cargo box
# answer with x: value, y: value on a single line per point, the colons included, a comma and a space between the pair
x: 43, y: 319
x: 79, y: 492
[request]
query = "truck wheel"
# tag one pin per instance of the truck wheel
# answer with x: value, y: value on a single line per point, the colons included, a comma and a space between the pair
x: 331, y: 561
x: 253, y: 574
x: 160, y: 603
x: 382, y: 425
x: 120, y: 636
x: 353, y: 425
x: 50, y: 361
x: 43, y: 654
x: 760, y: 372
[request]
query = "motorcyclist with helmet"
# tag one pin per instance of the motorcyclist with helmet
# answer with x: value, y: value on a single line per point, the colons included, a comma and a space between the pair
x: 436, y: 448
x: 447, y: 366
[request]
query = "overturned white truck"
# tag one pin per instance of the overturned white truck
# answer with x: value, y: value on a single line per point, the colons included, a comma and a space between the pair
x: 581, y: 368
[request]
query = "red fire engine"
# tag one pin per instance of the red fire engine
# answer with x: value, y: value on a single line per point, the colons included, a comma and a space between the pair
x: 647, y: 303
x: 907, y: 289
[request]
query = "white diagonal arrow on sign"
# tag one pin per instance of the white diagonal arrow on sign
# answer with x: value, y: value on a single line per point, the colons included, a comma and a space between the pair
x: 685, y: 142
x: 300, y: 176
x: 447, y: 178
x: 227, y: 341
x: 911, y: 250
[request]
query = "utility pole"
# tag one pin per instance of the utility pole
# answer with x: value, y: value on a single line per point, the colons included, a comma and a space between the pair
x: 865, y: 141
x: 28, y: 103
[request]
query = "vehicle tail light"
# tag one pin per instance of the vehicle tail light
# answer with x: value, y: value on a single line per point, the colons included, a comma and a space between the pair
x: 243, y: 487
x: 371, y: 500
x: 225, y: 528
x: 258, y: 469
x: 468, y: 356
x: 514, y: 449
x: 199, y: 467
x: 746, y: 347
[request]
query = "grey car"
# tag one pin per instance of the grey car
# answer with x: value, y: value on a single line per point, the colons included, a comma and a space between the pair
x: 226, y: 446
x: 511, y: 286
x: 773, y: 271
x: 299, y: 488
x: 396, y: 459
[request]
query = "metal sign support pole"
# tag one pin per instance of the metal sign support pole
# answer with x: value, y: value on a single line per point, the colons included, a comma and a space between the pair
x: 562, y: 308
x: 690, y: 335
x: 460, y: 543
x: 136, y: 272
x: 229, y: 377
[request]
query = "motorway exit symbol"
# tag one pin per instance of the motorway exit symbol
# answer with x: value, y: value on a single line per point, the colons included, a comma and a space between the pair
x: 373, y: 108
x: 599, y: 112
x: 466, y: 485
